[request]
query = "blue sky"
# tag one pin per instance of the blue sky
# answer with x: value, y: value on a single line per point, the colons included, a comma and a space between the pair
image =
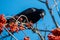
x: 13, y: 7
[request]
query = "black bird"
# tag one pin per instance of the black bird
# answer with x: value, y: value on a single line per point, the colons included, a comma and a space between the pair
x: 33, y: 14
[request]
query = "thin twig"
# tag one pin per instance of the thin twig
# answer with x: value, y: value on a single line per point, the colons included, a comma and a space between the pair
x: 50, y: 10
x: 10, y: 33
x: 56, y: 4
x: 37, y: 32
x: 10, y: 17
x: 22, y: 16
x: 33, y: 28
x: 41, y: 1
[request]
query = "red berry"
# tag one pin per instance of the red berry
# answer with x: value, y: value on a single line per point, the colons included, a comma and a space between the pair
x: 21, y: 27
x: 13, y: 27
x: 1, y: 27
x: 56, y: 31
x: 29, y: 25
x: 2, y: 19
x: 26, y: 38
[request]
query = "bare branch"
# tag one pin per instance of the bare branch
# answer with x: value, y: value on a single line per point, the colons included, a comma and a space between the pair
x: 41, y: 1
x: 10, y: 33
x: 33, y: 31
x: 51, y: 12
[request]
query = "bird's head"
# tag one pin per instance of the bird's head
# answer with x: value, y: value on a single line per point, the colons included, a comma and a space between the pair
x: 42, y: 13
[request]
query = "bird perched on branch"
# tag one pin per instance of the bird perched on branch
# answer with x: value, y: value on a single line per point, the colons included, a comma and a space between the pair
x: 33, y: 14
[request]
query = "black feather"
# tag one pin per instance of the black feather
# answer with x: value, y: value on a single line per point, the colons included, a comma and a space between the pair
x: 33, y: 14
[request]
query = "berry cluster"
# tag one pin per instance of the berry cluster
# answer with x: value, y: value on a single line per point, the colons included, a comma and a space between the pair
x: 55, y: 34
x: 2, y: 22
x: 14, y: 26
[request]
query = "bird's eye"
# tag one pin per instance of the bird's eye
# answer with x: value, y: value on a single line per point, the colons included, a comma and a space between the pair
x: 42, y: 14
